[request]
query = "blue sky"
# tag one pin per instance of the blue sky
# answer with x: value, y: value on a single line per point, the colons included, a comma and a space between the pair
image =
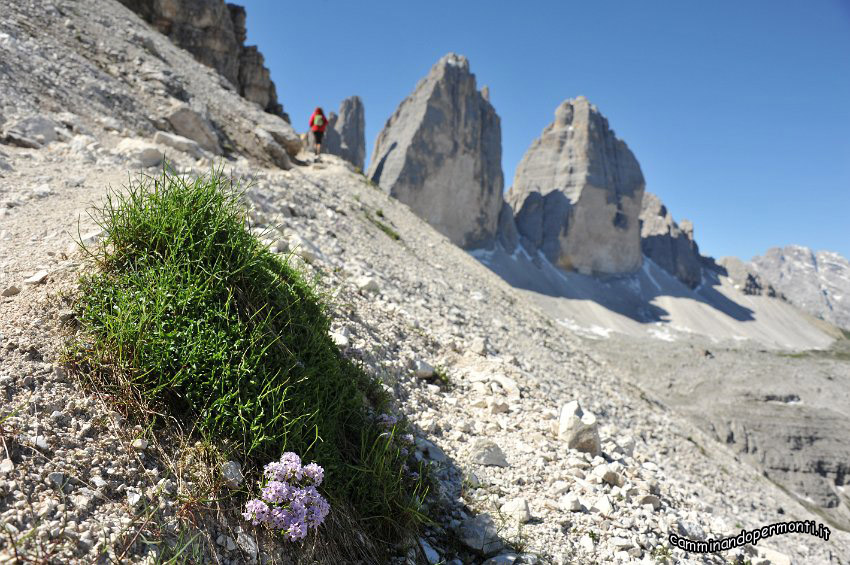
x: 739, y: 112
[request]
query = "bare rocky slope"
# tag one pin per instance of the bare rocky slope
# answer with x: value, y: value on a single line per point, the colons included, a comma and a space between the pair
x: 214, y: 32
x: 82, y: 107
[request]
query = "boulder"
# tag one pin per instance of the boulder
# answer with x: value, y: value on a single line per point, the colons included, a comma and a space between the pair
x: 579, y: 429
x: 231, y: 471
x: 144, y: 154
x: 273, y: 150
x: 346, y: 132
x: 486, y: 452
x: 178, y: 142
x: 190, y: 124
x: 33, y: 132
x: 440, y: 153
x: 283, y: 134
x: 423, y: 369
x: 577, y: 194
x: 480, y: 534
x: 670, y: 245
x: 517, y: 509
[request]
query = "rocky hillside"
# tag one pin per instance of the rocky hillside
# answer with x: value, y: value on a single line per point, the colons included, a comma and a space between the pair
x: 214, y: 32
x: 816, y: 281
x: 543, y: 447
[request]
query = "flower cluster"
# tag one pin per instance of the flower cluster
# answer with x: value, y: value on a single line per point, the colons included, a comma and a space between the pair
x: 289, y: 501
x: 387, y: 421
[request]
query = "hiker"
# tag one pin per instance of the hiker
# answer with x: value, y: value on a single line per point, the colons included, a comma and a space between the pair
x: 318, y: 123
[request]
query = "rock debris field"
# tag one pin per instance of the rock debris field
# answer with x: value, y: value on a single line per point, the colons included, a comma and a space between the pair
x: 543, y: 451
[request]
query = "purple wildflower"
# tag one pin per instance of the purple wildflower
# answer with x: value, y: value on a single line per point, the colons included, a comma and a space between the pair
x: 290, y: 502
x: 314, y: 473
x: 290, y: 459
x: 297, y: 530
x: 291, y: 466
x: 256, y: 511
x: 276, y: 492
x: 275, y: 471
x: 317, y: 512
x: 387, y: 421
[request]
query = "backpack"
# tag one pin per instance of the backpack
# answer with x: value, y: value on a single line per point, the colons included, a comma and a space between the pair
x: 318, y: 120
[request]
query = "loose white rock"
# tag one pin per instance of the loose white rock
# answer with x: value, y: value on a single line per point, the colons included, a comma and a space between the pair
x: 517, y: 509
x: 134, y: 497
x: 423, y: 369
x: 367, y: 284
x: 579, y: 429
x: 145, y: 154
x: 486, y: 452
x: 603, y: 505
x: 178, y: 142
x: 303, y: 247
x: 570, y: 503
x: 232, y: 473
x: 37, y: 278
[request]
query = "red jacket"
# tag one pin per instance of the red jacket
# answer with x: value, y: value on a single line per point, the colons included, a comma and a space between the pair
x: 322, y: 127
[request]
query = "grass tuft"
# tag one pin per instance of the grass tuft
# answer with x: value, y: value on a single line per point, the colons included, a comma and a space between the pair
x: 188, y: 311
x: 382, y: 226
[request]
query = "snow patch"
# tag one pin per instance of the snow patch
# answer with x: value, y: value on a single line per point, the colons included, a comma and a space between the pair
x: 592, y: 332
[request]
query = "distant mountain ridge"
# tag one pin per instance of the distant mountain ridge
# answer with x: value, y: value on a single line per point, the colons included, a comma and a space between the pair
x: 578, y: 205
x: 815, y: 281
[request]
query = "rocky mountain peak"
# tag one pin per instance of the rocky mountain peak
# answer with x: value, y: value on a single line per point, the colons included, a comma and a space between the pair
x: 346, y: 133
x: 453, y: 60
x: 577, y: 194
x: 440, y: 153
